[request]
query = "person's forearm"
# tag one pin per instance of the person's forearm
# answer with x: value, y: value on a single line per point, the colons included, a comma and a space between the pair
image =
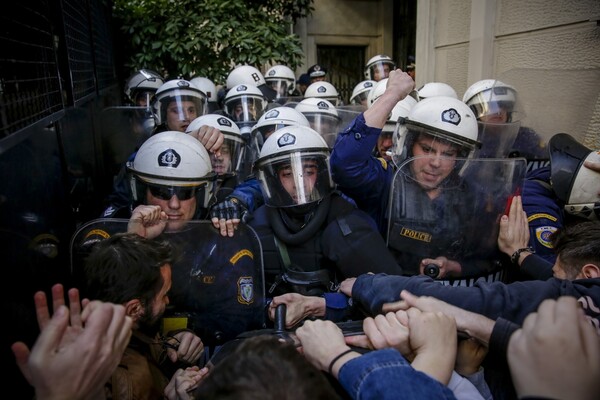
x: 477, y: 326
x: 315, y: 307
x: 438, y: 366
x: 379, y: 112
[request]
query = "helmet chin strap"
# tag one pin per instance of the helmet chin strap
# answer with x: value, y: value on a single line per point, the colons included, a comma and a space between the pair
x: 276, y: 218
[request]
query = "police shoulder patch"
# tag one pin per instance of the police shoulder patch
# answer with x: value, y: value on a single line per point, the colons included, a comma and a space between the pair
x: 542, y: 234
x: 383, y: 162
x: 245, y: 286
x: 541, y: 215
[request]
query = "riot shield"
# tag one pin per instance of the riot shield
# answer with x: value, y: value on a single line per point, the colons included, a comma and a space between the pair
x: 347, y: 115
x: 218, y: 284
x: 554, y: 101
x: 123, y: 130
x: 448, y: 207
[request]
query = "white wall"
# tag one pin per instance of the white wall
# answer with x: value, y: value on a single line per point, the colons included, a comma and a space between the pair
x: 548, y: 49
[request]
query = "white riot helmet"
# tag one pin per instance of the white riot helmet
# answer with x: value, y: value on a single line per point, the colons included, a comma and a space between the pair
x: 232, y: 150
x: 171, y: 163
x: 246, y: 75
x: 207, y: 87
x: 175, y: 92
x: 293, y: 167
x: 142, y: 85
x: 274, y: 119
x: 244, y: 104
x: 432, y: 89
x: 322, y: 116
x: 282, y: 79
x: 379, y: 67
x: 443, y: 118
x: 323, y: 90
x: 376, y: 92
x: 491, y: 98
x: 361, y: 92
x: 573, y: 183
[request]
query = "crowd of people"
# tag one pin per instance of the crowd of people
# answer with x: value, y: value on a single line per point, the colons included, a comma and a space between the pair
x: 265, y: 247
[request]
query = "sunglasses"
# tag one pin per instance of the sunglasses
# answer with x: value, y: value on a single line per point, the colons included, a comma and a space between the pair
x: 167, y: 192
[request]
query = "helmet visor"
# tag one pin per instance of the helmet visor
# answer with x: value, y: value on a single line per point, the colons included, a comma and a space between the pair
x: 281, y: 86
x: 295, y: 179
x: 230, y: 158
x: 411, y: 141
x: 326, y: 124
x: 360, y: 98
x: 496, y: 105
x: 181, y: 108
x: 381, y: 70
x: 245, y: 108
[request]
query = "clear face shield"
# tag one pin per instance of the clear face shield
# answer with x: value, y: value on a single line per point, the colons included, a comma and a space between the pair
x: 295, y: 179
x: 498, y: 105
x: 360, y: 99
x: 245, y: 109
x: 143, y: 98
x: 281, y: 86
x: 181, y: 106
x: 231, y: 156
x: 380, y: 71
x: 326, y: 124
x: 414, y: 141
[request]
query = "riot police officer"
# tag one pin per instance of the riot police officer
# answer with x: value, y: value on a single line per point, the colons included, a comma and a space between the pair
x: 311, y: 237
x: 217, y: 286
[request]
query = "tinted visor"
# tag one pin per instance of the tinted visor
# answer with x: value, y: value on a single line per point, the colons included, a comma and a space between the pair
x: 167, y: 192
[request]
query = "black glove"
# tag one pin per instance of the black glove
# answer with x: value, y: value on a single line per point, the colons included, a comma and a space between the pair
x: 230, y: 208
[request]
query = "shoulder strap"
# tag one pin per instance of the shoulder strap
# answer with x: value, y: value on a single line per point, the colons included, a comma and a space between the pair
x: 543, y: 183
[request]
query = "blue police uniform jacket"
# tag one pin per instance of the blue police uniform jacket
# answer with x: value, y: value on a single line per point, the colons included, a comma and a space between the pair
x: 544, y: 212
x: 359, y: 175
x: 217, y: 283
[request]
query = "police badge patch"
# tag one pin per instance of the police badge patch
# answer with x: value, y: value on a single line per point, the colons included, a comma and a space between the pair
x: 452, y: 116
x: 169, y: 158
x: 542, y: 235
x: 286, y: 139
x: 245, y: 290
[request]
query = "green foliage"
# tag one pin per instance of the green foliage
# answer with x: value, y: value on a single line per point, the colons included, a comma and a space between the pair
x: 208, y: 37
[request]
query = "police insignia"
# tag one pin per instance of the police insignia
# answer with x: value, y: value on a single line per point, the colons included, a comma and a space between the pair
x: 416, y: 235
x: 272, y: 114
x: 169, y: 158
x: 286, y: 139
x: 383, y: 162
x: 224, y: 122
x: 542, y: 235
x: 94, y: 236
x: 541, y: 215
x: 245, y: 290
x: 321, y: 89
x: 452, y: 116
x: 242, y: 88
